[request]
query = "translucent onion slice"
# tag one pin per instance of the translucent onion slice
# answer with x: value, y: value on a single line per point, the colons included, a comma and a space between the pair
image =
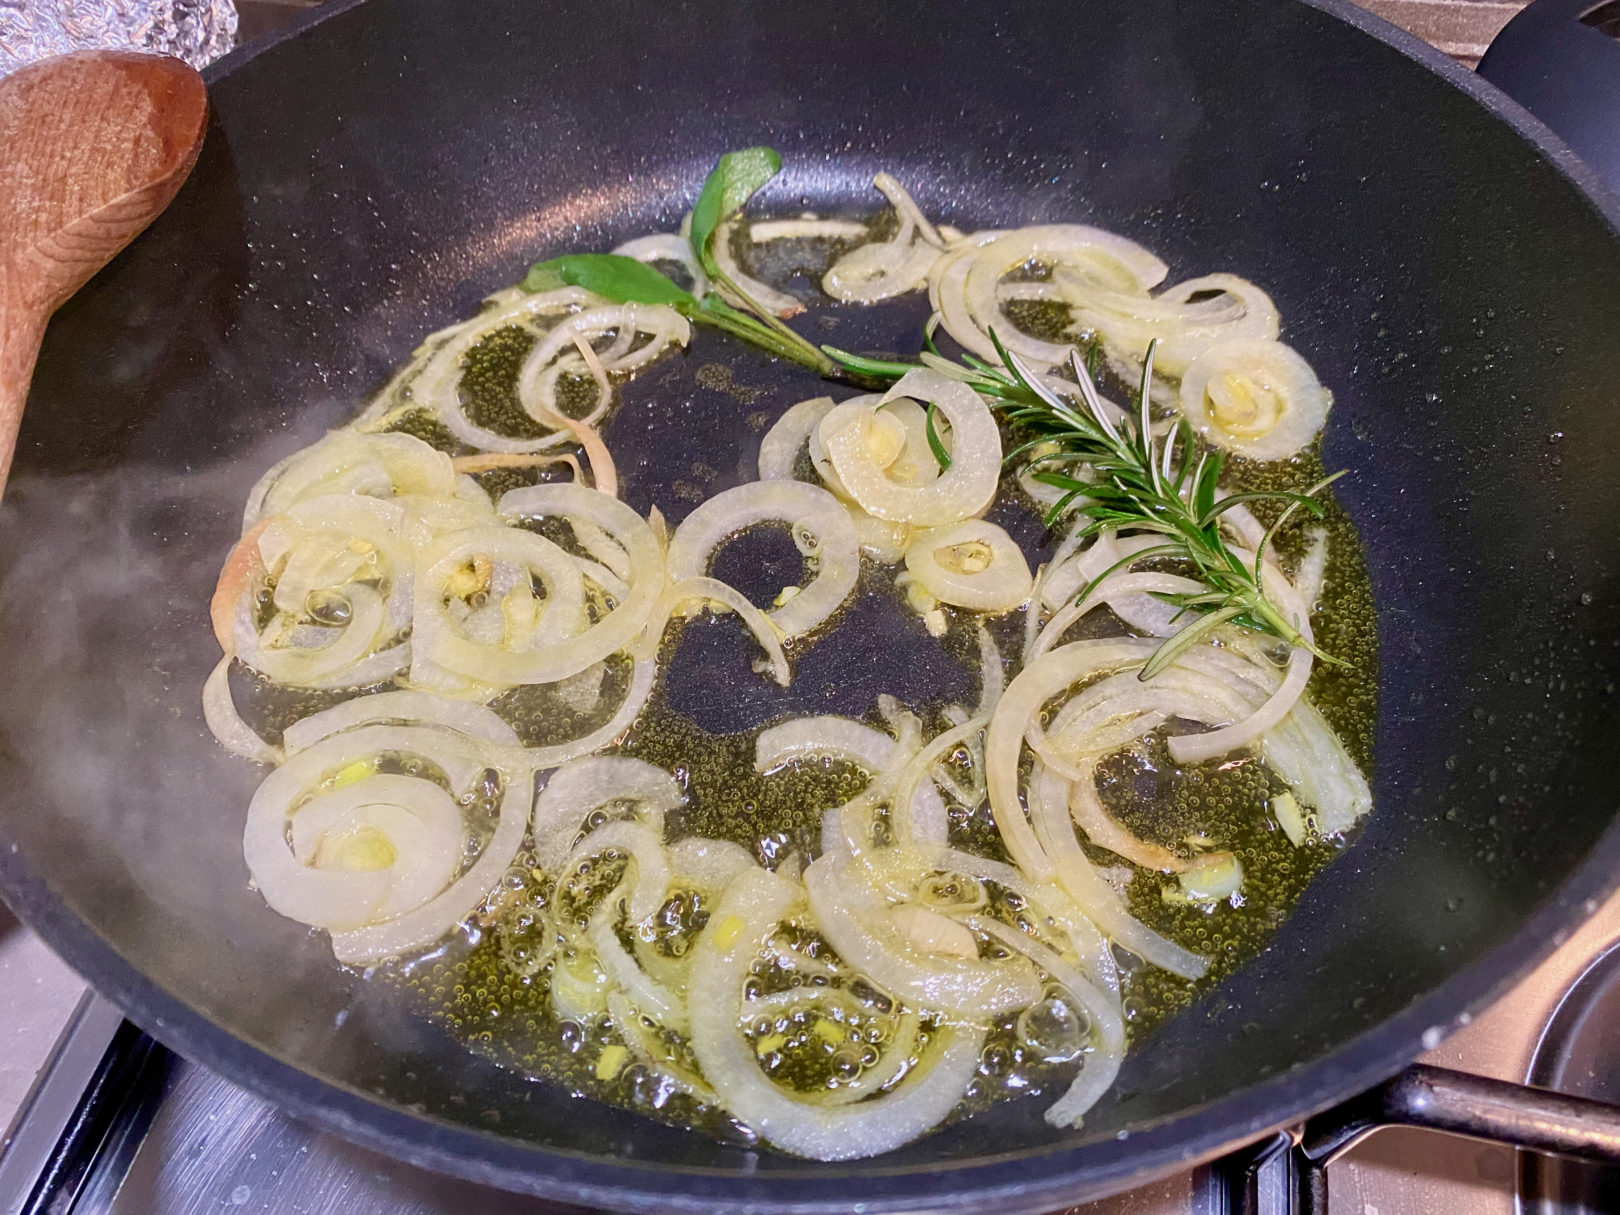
x: 803, y: 738
x: 818, y: 451
x: 1089, y: 726
x: 1093, y: 256
x: 749, y: 914
x: 558, y: 354
x: 649, y: 997
x: 710, y: 592
x: 520, y: 634
x: 226, y: 724
x: 1240, y: 521
x: 1131, y: 592
x: 578, y: 789
x: 779, y: 449
x: 1176, y: 691
x: 881, y: 270
x: 1104, y: 830
x: 243, y: 568
x: 1102, y: 904
x: 972, y: 564
x: 961, y: 491
x: 642, y: 677
x: 582, y: 693
x: 1309, y: 577
x: 806, y: 227
x: 1259, y: 399
x: 1042, y: 494
x: 401, y: 708
x: 882, y: 540
x: 855, y: 922
x: 580, y: 988
x: 601, y: 546
x: 907, y: 209
x: 820, y: 526
x: 349, y: 553
x: 414, y: 822
x: 915, y: 465
x: 1212, y: 685
x: 432, y: 379
x: 778, y: 302
x: 648, y: 882
x: 1130, y: 596
x: 921, y: 765
x: 438, y: 515
x: 349, y: 462
x: 1107, y: 1026
x: 613, y: 632
x: 1234, y: 309
x: 1309, y: 754
x: 653, y: 1052
x: 946, y: 291
x: 356, y: 899
x: 708, y: 865
x: 1195, y: 748
x: 614, y: 586
x: 431, y: 921
x: 1020, y: 703
x: 1062, y: 913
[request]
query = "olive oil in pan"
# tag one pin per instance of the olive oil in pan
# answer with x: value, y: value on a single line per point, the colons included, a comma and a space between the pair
x: 495, y: 989
x: 482, y: 997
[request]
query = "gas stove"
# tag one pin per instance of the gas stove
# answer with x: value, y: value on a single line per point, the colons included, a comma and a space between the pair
x: 117, y: 1125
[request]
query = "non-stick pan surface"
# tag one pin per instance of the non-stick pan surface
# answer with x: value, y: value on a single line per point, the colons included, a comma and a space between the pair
x: 372, y: 178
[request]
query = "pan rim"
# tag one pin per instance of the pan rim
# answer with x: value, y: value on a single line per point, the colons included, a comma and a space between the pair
x: 1029, y: 1181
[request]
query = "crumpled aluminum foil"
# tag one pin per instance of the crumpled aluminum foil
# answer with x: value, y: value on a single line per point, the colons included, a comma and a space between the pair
x: 198, y: 31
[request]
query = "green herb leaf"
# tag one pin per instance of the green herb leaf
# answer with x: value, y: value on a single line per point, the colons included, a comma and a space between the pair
x: 623, y: 280
x: 736, y: 179
x: 941, y: 456
x: 866, y: 366
x: 1188, y: 636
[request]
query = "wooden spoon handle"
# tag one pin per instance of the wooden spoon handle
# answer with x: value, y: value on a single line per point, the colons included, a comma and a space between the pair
x: 20, y: 336
x: 96, y: 144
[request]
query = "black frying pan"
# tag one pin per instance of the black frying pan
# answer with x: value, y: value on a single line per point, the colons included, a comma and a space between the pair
x: 1433, y: 251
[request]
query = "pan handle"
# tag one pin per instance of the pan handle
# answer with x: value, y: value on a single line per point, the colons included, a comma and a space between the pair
x: 1439, y: 1099
x: 1560, y: 59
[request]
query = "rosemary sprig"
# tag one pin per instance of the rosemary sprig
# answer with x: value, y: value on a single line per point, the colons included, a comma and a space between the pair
x: 1126, y: 478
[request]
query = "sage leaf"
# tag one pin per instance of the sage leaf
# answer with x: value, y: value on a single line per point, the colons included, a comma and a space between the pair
x: 736, y: 179
x: 614, y: 277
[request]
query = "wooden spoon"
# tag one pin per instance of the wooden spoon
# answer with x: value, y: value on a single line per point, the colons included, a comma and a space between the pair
x: 95, y: 144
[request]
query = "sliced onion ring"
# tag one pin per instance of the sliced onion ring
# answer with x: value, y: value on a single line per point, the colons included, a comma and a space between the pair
x: 1259, y: 399
x: 579, y: 788
x: 819, y: 522
x: 306, y: 894
x: 226, y: 724
x: 779, y: 449
x: 972, y: 564
x: 962, y: 490
x: 854, y: 922
x: 752, y: 908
